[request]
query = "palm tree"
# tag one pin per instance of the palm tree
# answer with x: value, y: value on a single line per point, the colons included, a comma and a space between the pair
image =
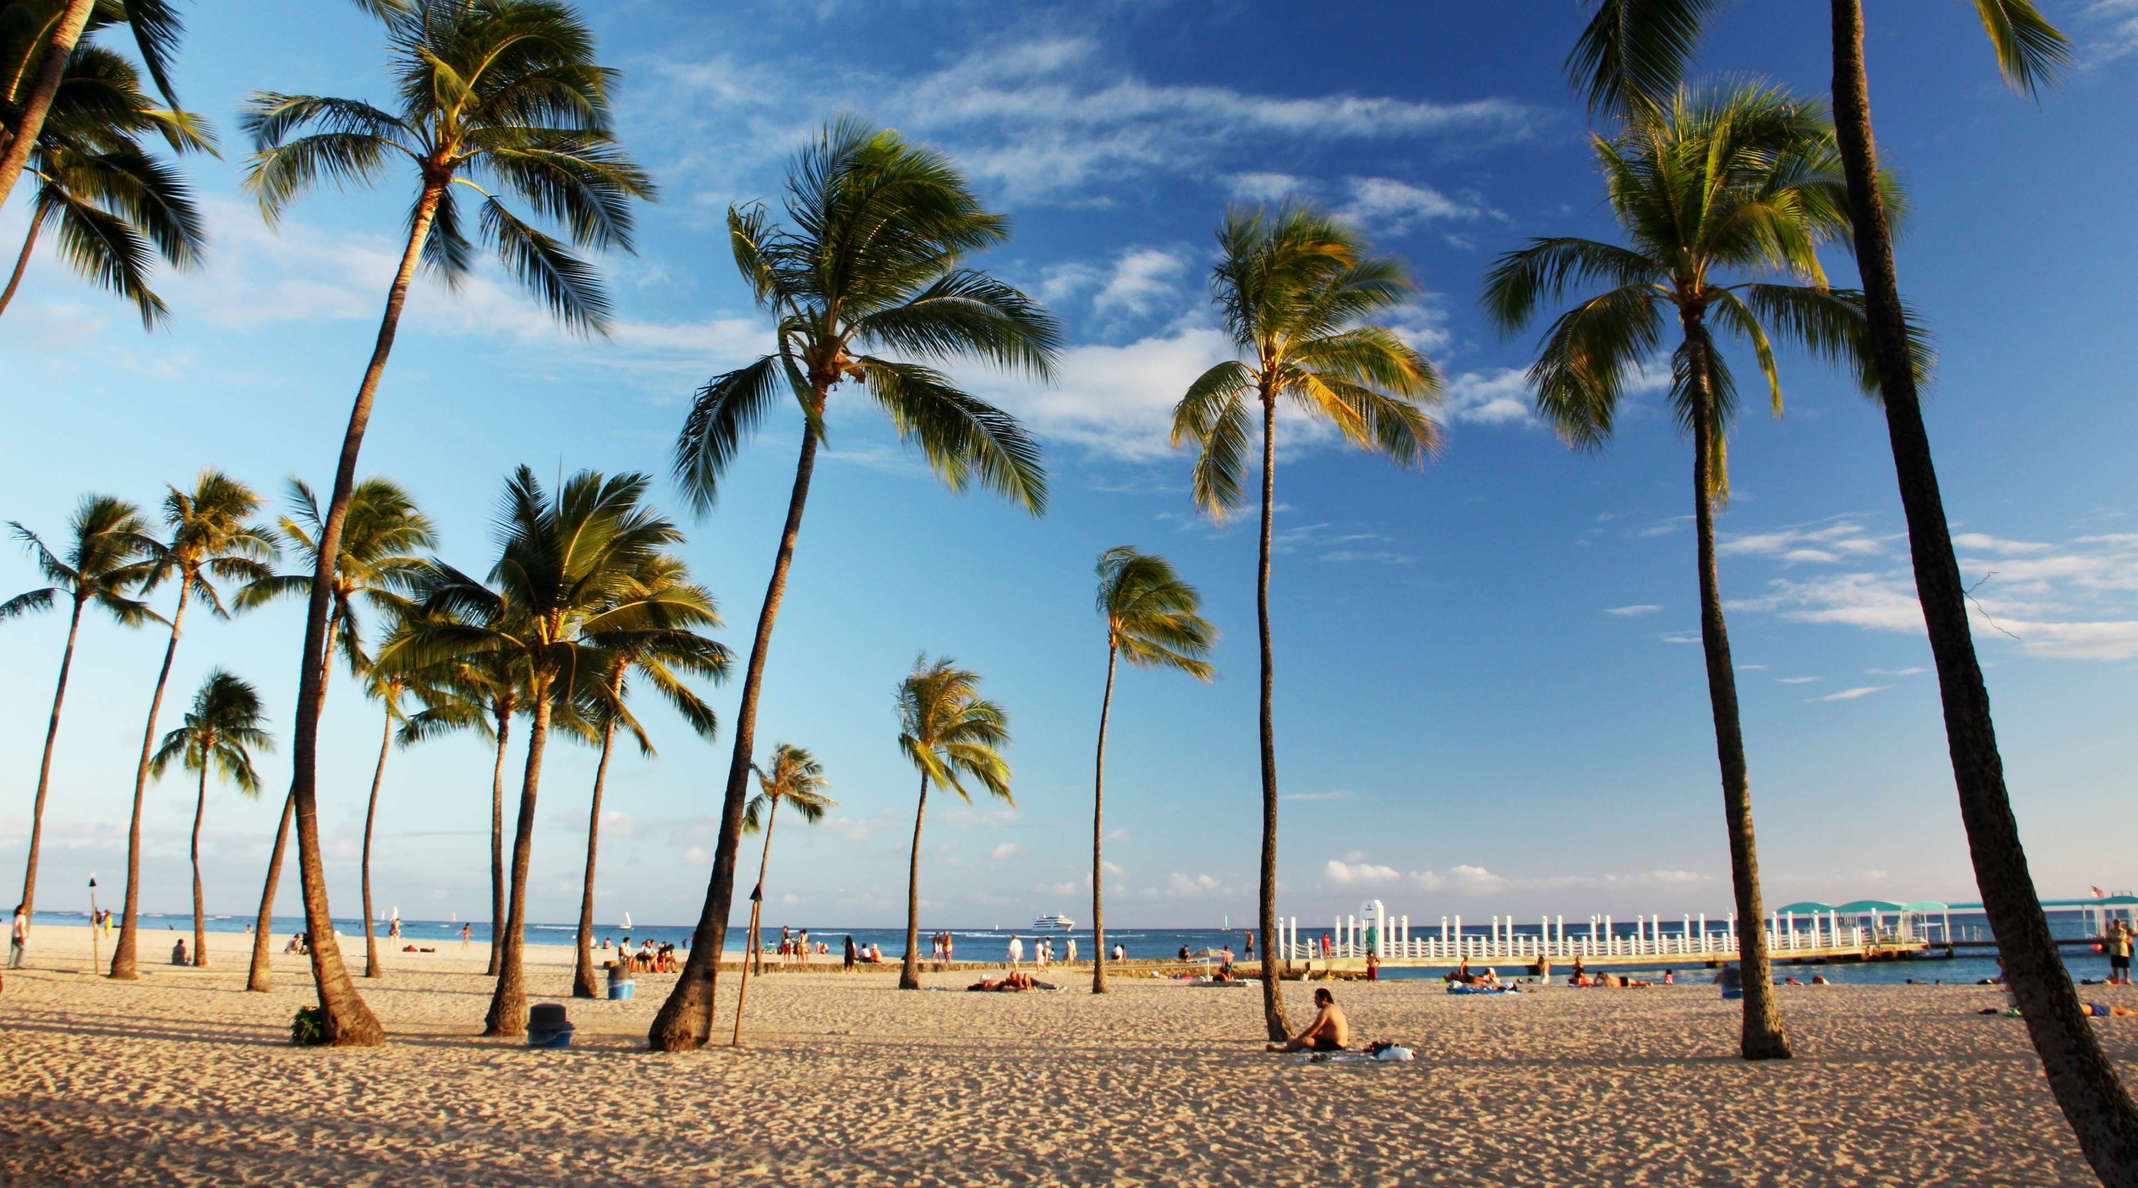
x: 796, y: 779
x: 483, y: 693
x: 380, y: 558
x: 39, y: 38
x: 568, y: 600
x: 1153, y: 620
x: 946, y: 730
x: 876, y: 263
x: 209, y: 540
x: 1636, y: 49
x: 1742, y: 181
x: 222, y: 731
x: 1295, y: 289
x: 500, y: 91
x: 101, y: 566
x: 660, y: 658
x: 389, y: 688
x: 115, y: 204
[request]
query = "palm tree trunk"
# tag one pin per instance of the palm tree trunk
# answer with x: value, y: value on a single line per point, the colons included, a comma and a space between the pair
x: 1273, y: 1017
x: 44, y: 765
x: 122, y: 954
x: 497, y: 838
x: 200, y: 920
x: 348, y: 1020
x: 1098, y: 831
x: 372, y: 968
x: 22, y: 261
x: 909, y: 974
x: 2096, y: 1105
x: 259, y: 977
x: 583, y: 963
x: 508, y: 1003
x: 686, y: 1019
x: 58, y: 48
x: 1761, y: 1037
x: 757, y: 905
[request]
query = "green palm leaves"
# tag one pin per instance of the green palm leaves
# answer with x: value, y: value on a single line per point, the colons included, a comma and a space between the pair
x: 106, y: 540
x: 795, y: 779
x: 222, y: 730
x: 379, y: 564
x: 949, y: 732
x: 1152, y: 616
x: 495, y: 96
x: 1295, y: 289
x: 872, y: 264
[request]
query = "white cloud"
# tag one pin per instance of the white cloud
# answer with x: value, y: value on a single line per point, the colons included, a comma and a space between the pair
x: 1825, y: 542
x: 1896, y: 672
x: 1332, y: 794
x: 1980, y: 542
x: 1384, y: 202
x: 1802, y: 680
x: 1852, y: 694
x: 1005, y: 851
x: 1639, y: 608
x: 1267, y: 187
x: 1141, y: 279
x: 1357, y: 874
x: 1499, y: 397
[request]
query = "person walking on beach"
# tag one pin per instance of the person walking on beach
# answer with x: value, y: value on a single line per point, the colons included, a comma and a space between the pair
x: 1016, y: 950
x: 2118, y: 943
x: 18, y: 938
x: 851, y: 955
x: 465, y: 930
x: 1071, y: 959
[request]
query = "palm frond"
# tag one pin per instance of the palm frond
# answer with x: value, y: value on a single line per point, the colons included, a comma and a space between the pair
x: 965, y: 438
x: 1631, y: 56
x: 2031, y: 52
x: 722, y: 417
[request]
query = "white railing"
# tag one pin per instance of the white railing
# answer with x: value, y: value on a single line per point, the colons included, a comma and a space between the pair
x: 1650, y: 937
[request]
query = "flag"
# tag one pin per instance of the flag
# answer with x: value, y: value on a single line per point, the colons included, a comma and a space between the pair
x: 2099, y: 894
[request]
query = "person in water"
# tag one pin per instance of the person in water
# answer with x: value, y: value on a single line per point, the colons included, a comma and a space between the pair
x: 1329, y: 1032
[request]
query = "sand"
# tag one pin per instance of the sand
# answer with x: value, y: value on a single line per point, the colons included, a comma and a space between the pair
x: 183, y: 1077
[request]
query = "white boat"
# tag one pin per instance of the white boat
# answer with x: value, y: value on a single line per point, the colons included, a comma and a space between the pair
x: 1061, y: 923
x: 627, y: 920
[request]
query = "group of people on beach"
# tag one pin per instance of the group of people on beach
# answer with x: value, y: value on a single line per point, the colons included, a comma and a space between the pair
x: 647, y: 958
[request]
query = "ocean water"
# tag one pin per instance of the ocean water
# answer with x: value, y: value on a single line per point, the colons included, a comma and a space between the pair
x: 990, y: 944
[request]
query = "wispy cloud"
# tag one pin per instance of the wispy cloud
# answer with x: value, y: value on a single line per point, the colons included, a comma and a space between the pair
x: 1852, y: 694
x: 1640, y: 608
x: 1798, y: 680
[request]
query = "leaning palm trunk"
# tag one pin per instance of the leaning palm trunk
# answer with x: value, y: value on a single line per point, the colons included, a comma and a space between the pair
x: 757, y: 904
x: 1098, y: 834
x: 348, y: 1020
x: 200, y: 919
x: 1761, y: 1036
x: 258, y: 976
x: 372, y: 968
x: 909, y: 974
x: 22, y: 261
x: 58, y: 49
x: 497, y: 841
x: 122, y: 954
x: 508, y: 1002
x: 44, y: 765
x: 686, y: 1019
x: 1273, y: 1017
x: 2096, y: 1105
x: 583, y: 964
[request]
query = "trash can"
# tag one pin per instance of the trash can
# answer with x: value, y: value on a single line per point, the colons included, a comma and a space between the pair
x: 547, y: 1026
x: 620, y: 983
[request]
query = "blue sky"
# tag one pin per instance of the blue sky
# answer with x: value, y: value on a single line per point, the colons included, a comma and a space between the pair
x: 1489, y: 690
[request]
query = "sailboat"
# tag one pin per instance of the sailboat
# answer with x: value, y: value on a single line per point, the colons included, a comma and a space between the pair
x: 627, y: 921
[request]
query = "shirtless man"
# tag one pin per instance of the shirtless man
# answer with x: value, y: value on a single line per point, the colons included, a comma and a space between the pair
x: 1329, y: 1032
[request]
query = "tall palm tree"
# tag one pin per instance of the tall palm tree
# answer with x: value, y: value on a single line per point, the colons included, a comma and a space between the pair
x: 38, y: 41
x: 210, y: 540
x: 381, y: 544
x: 567, y: 600
x: 506, y: 92
x: 1636, y: 49
x: 102, y: 564
x: 117, y: 206
x: 661, y: 659
x: 1716, y: 187
x: 947, y: 731
x: 388, y: 688
x: 1153, y: 620
x: 875, y: 263
x: 796, y: 779
x: 1295, y: 289
x: 223, y: 730
x: 483, y: 693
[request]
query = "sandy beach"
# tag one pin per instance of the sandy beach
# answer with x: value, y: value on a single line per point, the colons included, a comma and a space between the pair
x: 183, y: 1077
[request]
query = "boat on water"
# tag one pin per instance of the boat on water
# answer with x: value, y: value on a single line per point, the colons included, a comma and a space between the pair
x: 1056, y: 923
x: 627, y: 921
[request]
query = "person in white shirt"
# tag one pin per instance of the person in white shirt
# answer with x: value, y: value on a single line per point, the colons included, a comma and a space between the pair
x: 1016, y: 951
x: 1071, y: 958
x: 18, y: 938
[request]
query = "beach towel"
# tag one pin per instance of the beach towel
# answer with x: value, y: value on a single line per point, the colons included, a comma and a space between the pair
x: 1459, y: 988
x: 1381, y: 1053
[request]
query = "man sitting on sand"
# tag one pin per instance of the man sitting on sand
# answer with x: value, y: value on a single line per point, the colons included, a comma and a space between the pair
x: 178, y: 953
x: 1329, y: 1032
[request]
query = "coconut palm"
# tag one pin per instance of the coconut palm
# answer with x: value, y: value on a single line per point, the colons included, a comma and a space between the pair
x: 1153, y: 620
x: 796, y: 779
x: 661, y: 659
x: 874, y: 264
x: 388, y: 688
x: 381, y: 544
x: 1636, y: 49
x: 102, y: 564
x: 116, y: 205
x: 210, y: 540
x: 222, y: 731
x: 1717, y: 187
x: 38, y: 43
x: 567, y: 601
x: 949, y: 733
x: 1296, y: 288
x: 494, y: 95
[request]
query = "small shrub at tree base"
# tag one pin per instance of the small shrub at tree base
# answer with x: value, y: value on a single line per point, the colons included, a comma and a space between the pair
x: 309, y: 1027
